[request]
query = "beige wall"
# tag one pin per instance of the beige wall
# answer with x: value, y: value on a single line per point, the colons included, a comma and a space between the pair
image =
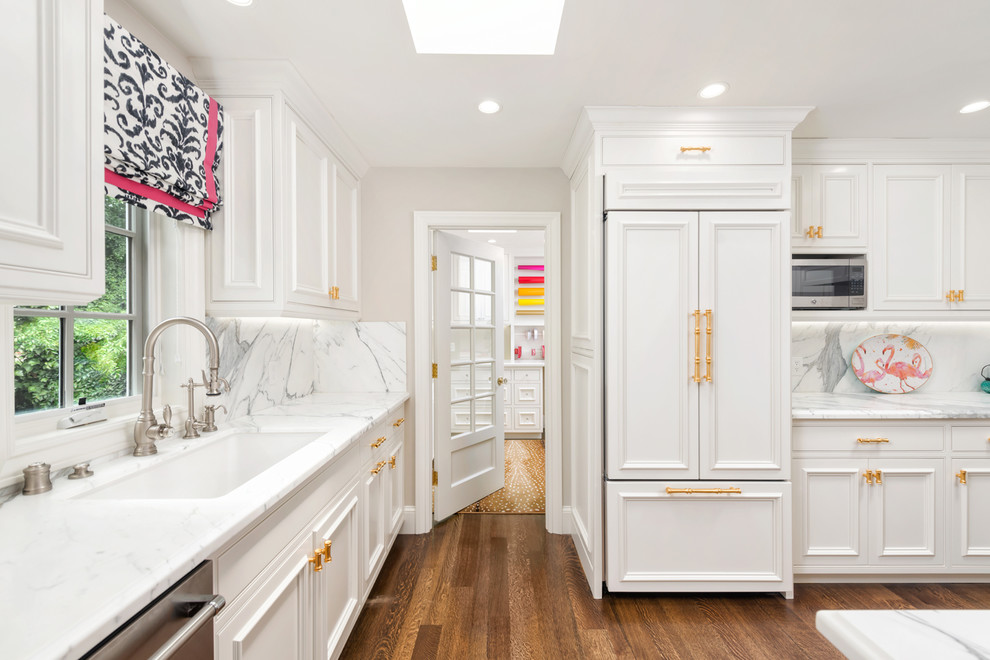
x: 389, y: 196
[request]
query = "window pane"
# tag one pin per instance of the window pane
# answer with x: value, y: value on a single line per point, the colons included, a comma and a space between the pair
x: 460, y: 308
x: 483, y: 376
x: 460, y: 271
x: 484, y: 274
x: 483, y: 309
x: 460, y: 418
x: 483, y: 344
x: 460, y: 382
x: 483, y: 412
x: 115, y: 298
x: 460, y: 344
x: 115, y: 212
x: 100, y: 359
x: 37, y: 356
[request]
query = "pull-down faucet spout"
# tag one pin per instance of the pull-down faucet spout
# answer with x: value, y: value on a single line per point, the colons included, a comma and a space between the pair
x: 146, y: 429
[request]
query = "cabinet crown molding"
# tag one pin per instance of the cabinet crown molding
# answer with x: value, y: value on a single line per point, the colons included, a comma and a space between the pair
x: 894, y: 150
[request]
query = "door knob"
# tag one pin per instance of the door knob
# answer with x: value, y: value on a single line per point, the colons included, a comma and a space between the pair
x: 502, y: 381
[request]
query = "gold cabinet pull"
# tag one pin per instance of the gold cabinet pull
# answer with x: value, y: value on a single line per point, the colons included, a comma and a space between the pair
x: 951, y: 296
x: 879, y: 476
x: 809, y: 232
x: 397, y: 423
x: 708, y: 345
x: 961, y: 476
x: 961, y: 296
x: 326, y: 550
x: 317, y: 561
x: 867, y: 441
x: 693, y: 491
x: 378, y: 468
x: 869, y: 476
x: 697, y: 345
x: 378, y: 443
x: 819, y: 233
x: 701, y: 149
x: 391, y: 462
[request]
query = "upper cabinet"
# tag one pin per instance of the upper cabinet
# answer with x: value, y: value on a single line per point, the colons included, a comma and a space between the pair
x: 829, y: 208
x: 287, y: 241
x: 51, y: 201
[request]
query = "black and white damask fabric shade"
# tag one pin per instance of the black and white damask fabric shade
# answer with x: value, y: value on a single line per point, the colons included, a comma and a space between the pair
x: 162, y: 135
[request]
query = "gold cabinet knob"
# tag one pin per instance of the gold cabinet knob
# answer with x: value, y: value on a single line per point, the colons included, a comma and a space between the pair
x: 317, y: 561
x: 391, y: 462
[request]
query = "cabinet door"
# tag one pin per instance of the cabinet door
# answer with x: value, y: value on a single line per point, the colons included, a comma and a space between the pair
x: 310, y: 203
x: 833, y: 198
x: 970, y: 540
x: 660, y: 540
x: 242, y: 244
x: 651, y: 293
x: 338, y: 586
x: 830, y: 512
x: 395, y: 488
x: 744, y: 291
x: 51, y: 179
x: 906, y: 512
x: 375, y: 520
x: 910, y: 259
x: 971, y: 235
x: 345, y: 238
x: 276, y: 622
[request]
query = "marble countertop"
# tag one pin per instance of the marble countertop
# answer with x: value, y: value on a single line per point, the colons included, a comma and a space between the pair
x: 72, y: 570
x: 912, y: 405
x: 907, y: 634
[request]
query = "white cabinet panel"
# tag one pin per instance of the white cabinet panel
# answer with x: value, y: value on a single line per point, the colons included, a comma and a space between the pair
x: 586, y: 462
x: 910, y: 259
x: 830, y: 503
x: 51, y: 180
x: 906, y: 511
x: 830, y: 200
x: 376, y: 508
x: 971, y: 235
x: 525, y: 394
x: 970, y: 535
x: 346, y: 272
x: 395, y: 487
x: 527, y: 420
x: 664, y: 541
x: 338, y: 586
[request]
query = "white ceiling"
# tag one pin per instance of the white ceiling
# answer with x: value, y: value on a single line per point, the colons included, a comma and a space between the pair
x: 527, y: 242
x: 872, y: 68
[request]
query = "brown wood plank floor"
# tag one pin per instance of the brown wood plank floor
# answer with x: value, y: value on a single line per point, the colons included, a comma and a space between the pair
x: 499, y: 586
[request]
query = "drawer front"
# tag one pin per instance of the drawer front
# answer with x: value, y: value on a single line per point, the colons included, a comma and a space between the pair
x: 848, y: 438
x: 971, y: 438
x: 657, y: 540
x: 527, y: 420
x: 691, y: 150
x: 709, y: 188
x: 518, y: 375
x: 527, y: 394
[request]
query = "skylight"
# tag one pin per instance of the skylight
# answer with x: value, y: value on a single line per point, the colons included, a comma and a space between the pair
x: 484, y: 27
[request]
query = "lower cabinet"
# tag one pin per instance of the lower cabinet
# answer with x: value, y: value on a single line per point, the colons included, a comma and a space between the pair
x: 295, y: 582
x: 970, y: 488
x: 523, y: 401
x: 698, y: 536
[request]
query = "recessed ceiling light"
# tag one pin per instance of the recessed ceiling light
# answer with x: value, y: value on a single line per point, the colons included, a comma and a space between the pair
x: 492, y: 231
x: 484, y: 27
x: 240, y: 3
x: 491, y: 240
x: 975, y: 107
x: 489, y: 107
x: 712, y: 90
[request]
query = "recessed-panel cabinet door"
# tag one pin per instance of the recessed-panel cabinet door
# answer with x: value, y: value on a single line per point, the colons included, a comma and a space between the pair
x: 744, y: 279
x: 395, y: 486
x: 277, y: 621
x: 829, y: 206
x: 830, y: 505
x: 906, y: 517
x: 970, y: 536
x: 346, y: 268
x: 971, y: 235
x: 376, y: 510
x: 652, y: 331
x: 338, y: 585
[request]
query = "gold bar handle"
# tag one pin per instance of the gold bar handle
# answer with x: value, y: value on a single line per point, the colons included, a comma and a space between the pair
x: 961, y: 296
x: 697, y: 345
x: 378, y: 443
x: 819, y: 233
x: 378, y: 468
x: 397, y: 423
x: 317, y: 561
x: 326, y: 550
x: 951, y: 295
x: 391, y: 462
x: 866, y: 441
x: 961, y: 476
x: 708, y: 345
x: 879, y: 475
x: 809, y: 232
x: 693, y: 491
x: 869, y: 476
x: 701, y: 149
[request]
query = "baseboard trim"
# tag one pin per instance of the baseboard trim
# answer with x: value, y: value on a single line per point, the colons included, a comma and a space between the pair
x: 565, y: 520
x: 880, y: 578
x: 408, y: 520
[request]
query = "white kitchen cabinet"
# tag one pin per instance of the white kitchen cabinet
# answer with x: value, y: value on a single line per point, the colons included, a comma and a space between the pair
x: 523, y: 397
x: 970, y: 236
x: 720, y: 407
x: 698, y: 535
x: 829, y: 208
x: 51, y: 188
x: 969, y: 487
x: 287, y: 240
x: 337, y: 588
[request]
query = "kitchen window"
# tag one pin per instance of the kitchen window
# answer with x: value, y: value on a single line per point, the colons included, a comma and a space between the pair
x: 68, y: 353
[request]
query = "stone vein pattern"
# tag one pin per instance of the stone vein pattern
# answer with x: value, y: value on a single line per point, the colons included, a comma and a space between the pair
x: 823, y: 351
x: 271, y: 362
x: 943, y: 634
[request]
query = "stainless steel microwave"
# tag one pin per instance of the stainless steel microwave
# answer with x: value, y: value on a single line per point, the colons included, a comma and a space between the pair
x: 828, y: 282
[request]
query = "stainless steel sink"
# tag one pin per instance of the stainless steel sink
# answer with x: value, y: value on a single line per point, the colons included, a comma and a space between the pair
x: 206, y: 472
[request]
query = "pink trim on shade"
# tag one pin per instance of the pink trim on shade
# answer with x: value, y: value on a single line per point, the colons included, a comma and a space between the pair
x: 211, y: 152
x: 154, y: 194
x: 530, y: 267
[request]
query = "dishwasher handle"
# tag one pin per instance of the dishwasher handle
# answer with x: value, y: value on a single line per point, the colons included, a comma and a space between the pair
x: 198, y: 620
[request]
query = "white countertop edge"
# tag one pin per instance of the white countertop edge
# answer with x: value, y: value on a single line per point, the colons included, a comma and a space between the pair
x: 907, y: 634
x: 229, y: 515
x: 912, y: 405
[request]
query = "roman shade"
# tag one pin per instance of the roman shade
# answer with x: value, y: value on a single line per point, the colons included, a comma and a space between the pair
x: 162, y: 135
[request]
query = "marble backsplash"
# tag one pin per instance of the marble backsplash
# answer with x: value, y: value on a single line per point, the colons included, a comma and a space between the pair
x: 820, y: 354
x: 272, y: 361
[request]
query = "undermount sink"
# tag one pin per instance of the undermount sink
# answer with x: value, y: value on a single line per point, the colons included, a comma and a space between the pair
x: 206, y: 472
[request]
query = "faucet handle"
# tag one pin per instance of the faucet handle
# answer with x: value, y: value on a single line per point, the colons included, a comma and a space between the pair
x: 165, y: 430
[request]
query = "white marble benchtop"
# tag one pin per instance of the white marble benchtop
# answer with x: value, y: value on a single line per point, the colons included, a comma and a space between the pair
x: 73, y: 570
x: 912, y: 405
x: 907, y: 634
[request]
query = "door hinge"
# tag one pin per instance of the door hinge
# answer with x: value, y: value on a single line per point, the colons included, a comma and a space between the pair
x: 435, y: 373
x: 433, y: 262
x: 434, y: 477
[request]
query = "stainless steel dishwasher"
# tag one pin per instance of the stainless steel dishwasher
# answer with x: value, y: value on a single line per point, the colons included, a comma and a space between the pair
x: 178, y: 624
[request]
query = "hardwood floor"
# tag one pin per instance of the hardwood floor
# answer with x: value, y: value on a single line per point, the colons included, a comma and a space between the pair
x: 499, y: 586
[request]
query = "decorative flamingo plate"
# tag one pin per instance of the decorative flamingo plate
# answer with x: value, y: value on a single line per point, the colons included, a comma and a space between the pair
x: 892, y: 364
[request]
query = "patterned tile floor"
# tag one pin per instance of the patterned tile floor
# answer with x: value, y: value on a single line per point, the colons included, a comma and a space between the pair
x: 525, y: 481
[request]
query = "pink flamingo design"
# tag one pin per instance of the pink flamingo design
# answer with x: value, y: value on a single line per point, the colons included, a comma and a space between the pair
x: 867, y: 377
x: 904, y: 370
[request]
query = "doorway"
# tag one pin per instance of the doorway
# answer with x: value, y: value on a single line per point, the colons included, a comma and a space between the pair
x: 532, y: 335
